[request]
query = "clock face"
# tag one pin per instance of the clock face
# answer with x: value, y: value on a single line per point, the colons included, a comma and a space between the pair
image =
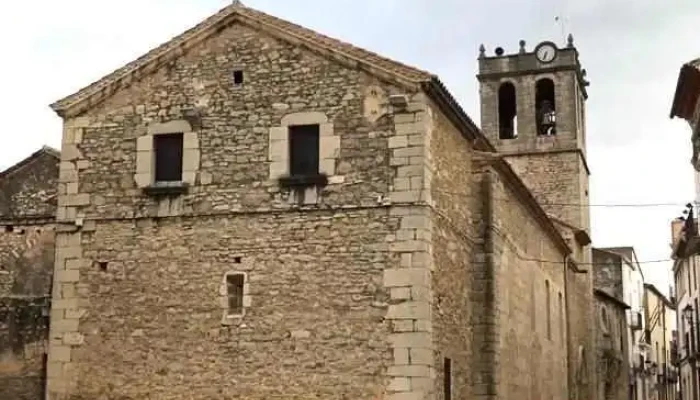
x: 546, y: 53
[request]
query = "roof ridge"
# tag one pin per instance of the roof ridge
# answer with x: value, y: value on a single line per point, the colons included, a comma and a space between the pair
x: 20, y: 164
x: 398, y: 69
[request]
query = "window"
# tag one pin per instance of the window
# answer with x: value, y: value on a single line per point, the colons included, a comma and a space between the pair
x: 549, y: 317
x: 168, y: 155
x: 234, y: 290
x: 695, y: 276
x: 545, y: 107
x: 447, y: 379
x: 507, y: 112
x: 303, y: 150
x: 238, y: 77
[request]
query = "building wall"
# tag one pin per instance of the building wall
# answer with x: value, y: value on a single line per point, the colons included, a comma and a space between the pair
x: 554, y: 169
x: 660, y: 323
x: 612, y: 350
x: 26, y: 264
x: 338, y: 292
x: 462, y: 308
x: 529, y: 280
x: 29, y: 191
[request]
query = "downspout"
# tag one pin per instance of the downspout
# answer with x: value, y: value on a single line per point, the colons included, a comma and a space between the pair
x: 568, y: 326
x: 491, y: 331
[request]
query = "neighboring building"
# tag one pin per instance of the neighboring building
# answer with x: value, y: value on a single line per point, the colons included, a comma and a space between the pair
x: 253, y: 204
x: 686, y: 106
x: 612, y: 340
x: 27, y: 207
x: 660, y: 325
x: 685, y: 272
x: 633, y: 295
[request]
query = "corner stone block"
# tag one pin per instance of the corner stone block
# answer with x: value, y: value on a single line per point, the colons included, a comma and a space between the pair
x: 399, y: 384
x: 401, y: 356
x: 405, y: 196
x: 422, y: 356
x: 419, y: 371
x: 409, y: 310
x: 70, y: 152
x: 59, y: 354
x: 396, y: 142
x: 408, y: 396
x: 402, y: 277
x: 411, y: 340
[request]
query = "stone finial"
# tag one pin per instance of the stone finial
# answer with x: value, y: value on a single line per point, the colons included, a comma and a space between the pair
x: 570, y: 40
x: 237, y: 3
x: 482, y: 51
x: 522, y: 47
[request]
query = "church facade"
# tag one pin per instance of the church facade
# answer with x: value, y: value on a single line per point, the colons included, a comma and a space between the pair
x: 255, y: 210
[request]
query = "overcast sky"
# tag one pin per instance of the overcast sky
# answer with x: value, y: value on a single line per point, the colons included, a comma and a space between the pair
x: 632, y: 50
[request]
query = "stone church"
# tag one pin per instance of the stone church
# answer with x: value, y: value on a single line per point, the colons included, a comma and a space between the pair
x: 254, y: 210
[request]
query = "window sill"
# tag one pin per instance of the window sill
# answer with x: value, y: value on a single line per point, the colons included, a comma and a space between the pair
x: 232, y: 319
x: 302, y: 181
x: 174, y: 188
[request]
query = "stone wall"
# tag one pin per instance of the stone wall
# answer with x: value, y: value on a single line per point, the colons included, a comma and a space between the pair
x: 337, y: 292
x: 529, y: 273
x: 23, y: 334
x: 26, y: 265
x: 458, y: 311
x: 608, y: 272
x: 612, y: 363
x: 29, y: 190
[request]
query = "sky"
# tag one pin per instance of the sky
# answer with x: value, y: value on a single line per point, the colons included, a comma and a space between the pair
x: 631, y: 49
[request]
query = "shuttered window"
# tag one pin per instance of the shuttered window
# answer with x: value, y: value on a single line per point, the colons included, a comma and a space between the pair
x: 303, y: 150
x: 168, y: 155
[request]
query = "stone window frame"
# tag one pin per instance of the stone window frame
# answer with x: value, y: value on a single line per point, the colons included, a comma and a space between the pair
x: 278, y: 150
x: 227, y: 318
x: 145, y: 154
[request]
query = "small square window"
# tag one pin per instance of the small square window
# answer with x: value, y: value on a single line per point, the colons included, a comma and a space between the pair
x: 304, y: 150
x: 238, y: 77
x: 234, y: 290
x: 168, y: 157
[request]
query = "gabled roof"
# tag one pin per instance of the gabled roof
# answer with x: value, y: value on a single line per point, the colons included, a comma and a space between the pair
x: 45, y: 150
x: 267, y: 23
x: 375, y: 64
x: 660, y: 295
x: 611, y: 298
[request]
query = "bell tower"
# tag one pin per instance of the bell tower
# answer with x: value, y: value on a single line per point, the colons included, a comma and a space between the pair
x: 533, y: 111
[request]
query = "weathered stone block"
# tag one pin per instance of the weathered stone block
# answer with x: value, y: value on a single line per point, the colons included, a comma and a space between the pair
x: 402, y: 277
x: 409, y: 371
x: 409, y: 310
